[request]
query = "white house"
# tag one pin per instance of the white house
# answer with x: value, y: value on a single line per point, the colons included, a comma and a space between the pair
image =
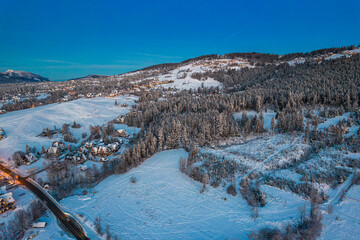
x: 8, y: 197
x: 114, y: 146
x: 89, y: 144
x: 54, y: 151
x: 59, y: 144
x: 39, y: 225
x: 121, y: 133
x: 84, y: 168
x: 30, y: 158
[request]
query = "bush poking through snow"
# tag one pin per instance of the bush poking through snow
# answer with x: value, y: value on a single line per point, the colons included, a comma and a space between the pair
x: 357, y: 178
x: 231, y: 190
x: 133, y: 179
x: 330, y: 208
x: 252, y: 193
x: 254, y: 213
x: 75, y: 125
x: 266, y: 233
x: 97, y: 225
x: 307, y: 228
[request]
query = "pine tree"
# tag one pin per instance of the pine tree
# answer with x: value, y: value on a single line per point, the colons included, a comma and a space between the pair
x: 160, y: 138
x: 27, y: 149
x: 307, y: 128
x: 273, y: 124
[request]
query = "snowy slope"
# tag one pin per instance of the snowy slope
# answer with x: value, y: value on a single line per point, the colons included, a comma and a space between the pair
x: 11, y: 76
x: 344, y: 222
x: 22, y: 127
x: 165, y: 204
x: 182, y: 75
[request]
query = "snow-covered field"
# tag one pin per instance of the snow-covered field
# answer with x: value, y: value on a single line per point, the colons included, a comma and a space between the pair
x: 52, y: 230
x: 180, y: 78
x: 186, y: 82
x: 262, y: 153
x: 23, y: 127
x: 344, y: 222
x: 166, y: 204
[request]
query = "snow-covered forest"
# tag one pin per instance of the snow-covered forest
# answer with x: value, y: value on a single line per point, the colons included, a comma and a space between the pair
x: 265, y: 146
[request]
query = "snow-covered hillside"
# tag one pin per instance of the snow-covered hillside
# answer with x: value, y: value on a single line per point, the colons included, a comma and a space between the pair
x: 163, y: 203
x: 182, y: 75
x: 344, y: 222
x: 11, y: 76
x: 23, y: 127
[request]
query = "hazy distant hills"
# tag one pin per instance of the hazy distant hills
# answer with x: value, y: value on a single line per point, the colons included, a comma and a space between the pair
x: 11, y: 76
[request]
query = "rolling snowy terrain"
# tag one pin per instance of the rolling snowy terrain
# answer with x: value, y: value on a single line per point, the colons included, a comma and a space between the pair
x: 23, y: 127
x: 237, y: 176
x: 163, y: 203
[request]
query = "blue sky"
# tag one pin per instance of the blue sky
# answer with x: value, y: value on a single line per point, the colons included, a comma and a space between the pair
x: 63, y: 39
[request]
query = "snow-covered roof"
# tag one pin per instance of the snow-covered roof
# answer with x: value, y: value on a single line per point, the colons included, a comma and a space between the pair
x: 39, y: 225
x: 53, y: 149
x: 8, y: 197
x: 84, y: 167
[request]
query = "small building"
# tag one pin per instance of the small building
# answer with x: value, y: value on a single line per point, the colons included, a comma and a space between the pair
x: 84, y: 168
x: 114, y: 146
x: 121, y: 133
x: 88, y: 145
x: 7, y: 202
x: 32, y: 170
x: 94, y: 150
x: 90, y: 157
x: 59, y: 145
x: 55, y: 151
x: 104, y: 151
x: 82, y: 150
x: 30, y: 158
x: 120, y: 119
x: 39, y: 225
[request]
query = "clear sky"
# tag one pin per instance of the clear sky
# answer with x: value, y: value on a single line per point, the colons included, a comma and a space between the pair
x: 63, y: 39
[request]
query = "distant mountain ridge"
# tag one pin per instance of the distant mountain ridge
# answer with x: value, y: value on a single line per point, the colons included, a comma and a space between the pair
x: 11, y: 76
x: 254, y: 58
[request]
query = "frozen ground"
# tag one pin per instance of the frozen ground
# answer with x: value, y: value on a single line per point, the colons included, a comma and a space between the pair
x: 22, y: 127
x: 263, y: 153
x: 344, y: 222
x: 166, y: 204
